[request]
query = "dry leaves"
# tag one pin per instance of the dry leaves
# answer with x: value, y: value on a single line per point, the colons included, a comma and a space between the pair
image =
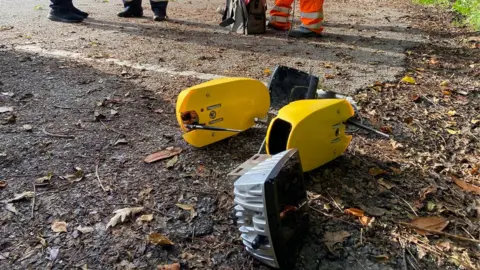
x: 158, y: 239
x: 24, y: 195
x: 3, y: 184
x: 466, y: 186
x: 355, y: 211
x: 77, y: 176
x: 172, y: 162
x: 408, y: 79
x: 121, y: 214
x: 167, y: 153
x: 376, y: 171
x: 429, y: 223
x: 175, y: 266
x: 59, y: 226
x: 385, y: 183
x: 145, y: 218
x: 188, y: 207
x: 332, y: 238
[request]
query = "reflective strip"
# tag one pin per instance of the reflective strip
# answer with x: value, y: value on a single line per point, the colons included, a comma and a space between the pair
x: 282, y: 9
x: 279, y: 19
x: 313, y: 26
x: 312, y: 15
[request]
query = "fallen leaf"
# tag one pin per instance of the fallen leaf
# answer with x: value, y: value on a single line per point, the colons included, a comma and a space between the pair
x: 158, y: 239
x: 444, y: 83
x: 474, y: 121
x: 267, y: 72
x: 145, y: 218
x: 77, y: 176
x: 172, y: 162
x: 59, y: 226
x: 327, y: 65
x: 121, y: 214
x: 11, y: 208
x: 430, y: 223
x: 416, y: 98
x: 433, y: 61
x: 44, y: 179
x: 188, y: 208
x: 466, y: 186
x: 175, y: 266
x: 144, y: 193
x: 382, y: 258
x: 24, y: 195
x: 386, y: 129
x: 446, y: 93
x: 85, y: 229
x: 6, y: 109
x: 453, y: 132
x: 366, y: 221
x: 332, y: 238
x: 408, y: 79
x: 462, y: 260
x: 169, y: 152
x: 329, y: 76
x: 376, y: 171
x: 452, y: 113
x: 408, y: 120
x: 3, y: 184
x: 355, y: 211
x: 386, y: 184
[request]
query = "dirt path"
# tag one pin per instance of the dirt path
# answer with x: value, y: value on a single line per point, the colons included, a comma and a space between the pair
x: 106, y: 118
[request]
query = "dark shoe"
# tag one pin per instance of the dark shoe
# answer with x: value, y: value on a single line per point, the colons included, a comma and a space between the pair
x: 303, y: 32
x: 131, y: 12
x: 64, y: 15
x: 79, y: 12
x: 160, y: 14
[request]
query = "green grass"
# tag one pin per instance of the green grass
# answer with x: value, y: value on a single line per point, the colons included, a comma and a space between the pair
x: 469, y: 9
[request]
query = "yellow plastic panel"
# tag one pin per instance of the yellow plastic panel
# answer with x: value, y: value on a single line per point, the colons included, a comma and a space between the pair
x: 315, y: 127
x: 226, y: 102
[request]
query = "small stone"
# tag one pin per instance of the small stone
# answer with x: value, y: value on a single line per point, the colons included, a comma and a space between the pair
x: 27, y: 127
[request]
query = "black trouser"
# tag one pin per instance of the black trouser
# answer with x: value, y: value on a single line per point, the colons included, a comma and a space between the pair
x: 161, y: 6
x: 60, y: 4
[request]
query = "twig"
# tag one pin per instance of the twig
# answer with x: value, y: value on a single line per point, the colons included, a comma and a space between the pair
x: 413, y: 210
x: 114, y: 130
x: 57, y: 135
x: 137, y: 205
x: 98, y: 178
x: 468, y: 233
x: 69, y: 108
x: 414, y: 266
x: 441, y: 233
x: 334, y: 202
x: 325, y: 214
x: 33, y: 199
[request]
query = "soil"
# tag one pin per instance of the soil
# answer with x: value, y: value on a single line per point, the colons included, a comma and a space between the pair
x: 68, y: 115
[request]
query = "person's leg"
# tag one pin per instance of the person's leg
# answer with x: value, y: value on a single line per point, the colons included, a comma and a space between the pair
x: 279, y: 15
x: 133, y: 8
x: 61, y: 11
x: 311, y: 13
x: 159, y: 8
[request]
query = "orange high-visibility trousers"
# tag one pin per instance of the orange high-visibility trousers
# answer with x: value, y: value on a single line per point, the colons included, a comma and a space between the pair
x: 311, y: 14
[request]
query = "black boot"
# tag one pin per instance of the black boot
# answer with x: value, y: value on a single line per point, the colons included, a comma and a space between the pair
x: 79, y: 12
x: 64, y: 15
x: 61, y: 12
x: 159, y: 10
x: 132, y: 9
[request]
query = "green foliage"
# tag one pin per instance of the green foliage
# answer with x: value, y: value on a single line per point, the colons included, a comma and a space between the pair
x: 469, y: 9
